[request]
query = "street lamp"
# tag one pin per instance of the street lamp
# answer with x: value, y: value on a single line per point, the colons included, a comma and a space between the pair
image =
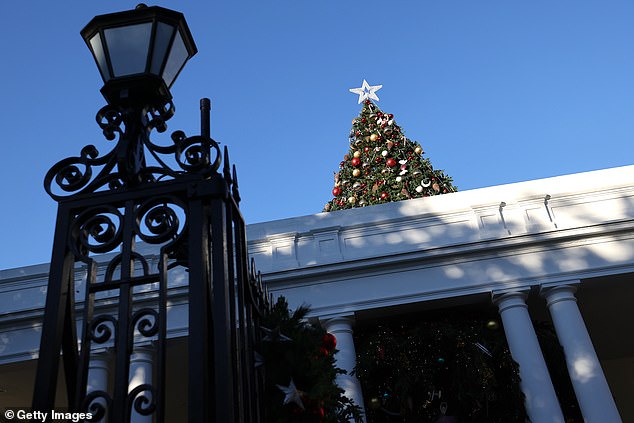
x: 182, y: 206
x: 139, y: 53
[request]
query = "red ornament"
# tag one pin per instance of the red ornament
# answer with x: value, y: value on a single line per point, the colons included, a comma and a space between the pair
x: 384, y: 195
x: 358, y: 133
x: 390, y: 162
x: 329, y: 341
x: 367, y: 102
x: 336, y: 191
x: 366, y: 149
x: 391, y: 116
x: 355, y: 161
x: 379, y: 114
x: 323, y: 351
x: 378, y: 159
x: 363, y: 120
x: 403, y: 167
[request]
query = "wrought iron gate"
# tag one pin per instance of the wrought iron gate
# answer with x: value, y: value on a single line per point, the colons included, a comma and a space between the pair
x: 190, y: 217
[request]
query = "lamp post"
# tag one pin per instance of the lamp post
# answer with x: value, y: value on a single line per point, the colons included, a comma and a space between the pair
x: 172, y: 197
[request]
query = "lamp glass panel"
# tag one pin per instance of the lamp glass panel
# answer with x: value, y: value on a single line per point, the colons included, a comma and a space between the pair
x: 100, y: 56
x: 161, y: 43
x: 128, y: 48
x: 177, y: 58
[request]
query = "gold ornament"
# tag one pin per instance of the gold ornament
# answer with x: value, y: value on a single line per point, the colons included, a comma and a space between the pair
x: 352, y: 200
x: 357, y: 154
x: 327, y: 207
x: 436, y: 187
x: 374, y: 137
x: 356, y: 172
x: 390, y: 144
x: 418, y: 150
x: 354, y: 121
x: 493, y: 324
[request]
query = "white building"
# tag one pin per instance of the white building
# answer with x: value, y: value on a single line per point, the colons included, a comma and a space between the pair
x: 559, y: 248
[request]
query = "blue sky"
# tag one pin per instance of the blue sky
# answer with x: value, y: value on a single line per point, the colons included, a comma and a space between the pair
x: 495, y: 91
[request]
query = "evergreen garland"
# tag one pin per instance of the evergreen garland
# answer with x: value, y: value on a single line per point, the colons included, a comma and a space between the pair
x: 307, y: 362
x: 383, y: 165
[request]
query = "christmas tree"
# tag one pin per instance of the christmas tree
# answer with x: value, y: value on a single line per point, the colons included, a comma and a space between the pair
x: 383, y: 165
x: 453, y: 369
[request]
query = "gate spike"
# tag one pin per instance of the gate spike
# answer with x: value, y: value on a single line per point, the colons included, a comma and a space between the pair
x: 226, y: 170
x: 236, y: 192
x: 252, y: 269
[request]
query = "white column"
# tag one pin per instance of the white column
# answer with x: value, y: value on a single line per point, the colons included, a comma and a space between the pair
x: 346, y: 357
x: 541, y: 402
x: 592, y: 390
x: 140, y: 373
x: 98, y: 377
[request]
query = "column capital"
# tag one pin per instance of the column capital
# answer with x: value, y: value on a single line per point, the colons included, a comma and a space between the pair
x: 556, y: 293
x: 337, y: 323
x: 510, y: 299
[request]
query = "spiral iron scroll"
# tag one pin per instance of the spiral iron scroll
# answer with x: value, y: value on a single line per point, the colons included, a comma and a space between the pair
x: 76, y: 175
x: 94, y: 404
x: 143, y: 404
x: 97, y: 230
x: 99, y: 330
x: 157, y: 220
x: 146, y: 321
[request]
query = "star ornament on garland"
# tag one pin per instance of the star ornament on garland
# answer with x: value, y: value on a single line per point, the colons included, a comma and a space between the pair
x: 292, y: 394
x: 366, y: 91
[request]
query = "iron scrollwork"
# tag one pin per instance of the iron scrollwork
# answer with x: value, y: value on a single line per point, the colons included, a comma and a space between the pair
x: 127, y: 163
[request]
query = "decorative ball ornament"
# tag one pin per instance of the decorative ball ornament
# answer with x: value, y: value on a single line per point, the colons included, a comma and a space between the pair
x: 384, y: 195
x: 390, y: 162
x: 419, y: 189
x: 384, y: 153
x: 493, y: 325
x: 336, y: 191
x: 375, y: 403
x: 357, y: 154
x: 329, y: 341
x: 356, y: 172
x: 352, y: 200
x: 374, y: 137
x: 366, y: 149
x: 418, y: 150
x: 355, y: 161
x: 399, y: 178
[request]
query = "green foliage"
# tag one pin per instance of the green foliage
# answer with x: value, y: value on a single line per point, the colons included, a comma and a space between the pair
x: 383, y: 165
x: 308, y: 361
x: 410, y: 371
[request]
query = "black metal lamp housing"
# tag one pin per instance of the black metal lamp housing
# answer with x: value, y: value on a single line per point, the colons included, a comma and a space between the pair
x: 139, y: 53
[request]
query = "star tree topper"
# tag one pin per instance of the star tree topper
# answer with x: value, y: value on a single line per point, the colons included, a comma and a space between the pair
x: 366, y: 91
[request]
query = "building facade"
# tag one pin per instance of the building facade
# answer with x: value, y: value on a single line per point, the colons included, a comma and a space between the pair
x: 559, y: 249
